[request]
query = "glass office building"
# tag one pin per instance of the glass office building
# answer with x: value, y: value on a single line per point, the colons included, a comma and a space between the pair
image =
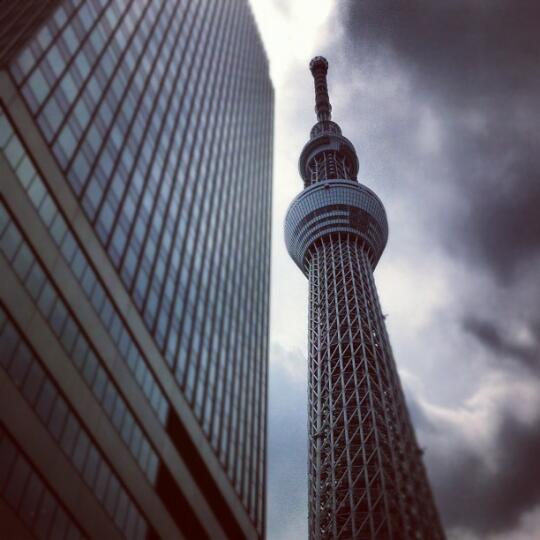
x: 136, y: 163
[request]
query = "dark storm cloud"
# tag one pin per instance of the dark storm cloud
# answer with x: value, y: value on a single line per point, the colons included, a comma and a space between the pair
x: 490, y: 497
x: 476, y: 65
x: 479, y: 63
x: 490, y: 335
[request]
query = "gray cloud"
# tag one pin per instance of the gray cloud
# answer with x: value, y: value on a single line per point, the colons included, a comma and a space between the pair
x: 487, y: 497
x: 477, y: 62
x: 474, y: 65
x: 492, y: 337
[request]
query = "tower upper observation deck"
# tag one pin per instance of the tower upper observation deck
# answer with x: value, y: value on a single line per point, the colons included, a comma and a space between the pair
x: 333, y: 201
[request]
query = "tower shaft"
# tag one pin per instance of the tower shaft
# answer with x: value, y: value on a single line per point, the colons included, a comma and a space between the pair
x: 366, y: 478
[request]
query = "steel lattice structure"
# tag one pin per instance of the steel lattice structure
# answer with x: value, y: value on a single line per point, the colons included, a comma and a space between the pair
x: 366, y: 476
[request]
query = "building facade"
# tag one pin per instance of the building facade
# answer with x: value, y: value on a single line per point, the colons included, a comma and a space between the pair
x: 136, y: 164
x: 366, y: 476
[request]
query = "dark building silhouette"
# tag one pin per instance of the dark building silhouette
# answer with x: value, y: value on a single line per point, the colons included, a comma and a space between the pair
x: 135, y: 162
x: 366, y: 476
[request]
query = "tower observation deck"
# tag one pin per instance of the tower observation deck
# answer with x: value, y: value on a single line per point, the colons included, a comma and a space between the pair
x: 366, y: 476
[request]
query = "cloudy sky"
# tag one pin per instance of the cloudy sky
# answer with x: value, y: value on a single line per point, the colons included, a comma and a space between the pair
x: 441, y: 100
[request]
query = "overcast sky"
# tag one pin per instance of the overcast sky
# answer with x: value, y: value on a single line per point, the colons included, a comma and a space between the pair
x: 441, y: 100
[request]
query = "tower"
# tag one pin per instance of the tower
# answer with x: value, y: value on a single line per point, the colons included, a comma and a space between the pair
x: 135, y: 207
x: 366, y: 476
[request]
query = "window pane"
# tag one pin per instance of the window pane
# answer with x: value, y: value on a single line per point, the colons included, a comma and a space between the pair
x: 45, y: 515
x: 46, y: 400
x: 14, y: 489
x: 8, y: 341
x: 69, y: 436
x: 58, y: 417
x: 7, y: 456
x: 32, y: 495
x: 33, y: 382
x: 35, y: 281
x: 80, y: 450
x: 113, y: 490
x: 60, y: 524
x: 20, y: 364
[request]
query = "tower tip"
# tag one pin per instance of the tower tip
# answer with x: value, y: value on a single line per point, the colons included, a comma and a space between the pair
x: 317, y: 63
x: 319, y: 68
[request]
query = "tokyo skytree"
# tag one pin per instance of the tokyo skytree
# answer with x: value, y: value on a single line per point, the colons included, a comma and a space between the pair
x: 366, y: 476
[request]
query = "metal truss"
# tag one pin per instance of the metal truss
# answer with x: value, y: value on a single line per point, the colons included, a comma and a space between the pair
x: 366, y: 476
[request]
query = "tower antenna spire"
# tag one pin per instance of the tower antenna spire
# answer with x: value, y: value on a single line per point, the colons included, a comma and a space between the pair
x: 319, y: 68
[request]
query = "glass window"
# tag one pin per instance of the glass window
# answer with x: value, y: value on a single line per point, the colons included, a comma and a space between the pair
x: 102, y: 481
x: 56, y: 60
x: 25, y: 171
x: 11, y: 240
x: 33, y: 381
x: 36, y: 191
x: 7, y: 456
x: 82, y: 63
x: 127, y: 427
x: 121, y: 509
x: 131, y: 521
x: 92, y: 463
x: 53, y: 114
x: 69, y: 436
x: 98, y: 296
x: 152, y: 467
x: 46, y: 299
x: 39, y: 86
x: 113, y: 490
x: 78, y: 265
x: 47, y: 210
x: 58, y: 417
x: 4, y: 219
x: 46, y: 400
x: 73, y: 532
x: 67, y: 141
x: 118, y: 414
x: 23, y: 261
x: 20, y: 364
x: 90, y: 367
x: 14, y: 151
x: 80, y: 351
x: 5, y: 129
x: 58, y: 229
x: 69, y: 335
x: 71, y: 39
x: 58, y: 317
x: 69, y: 246
x: 35, y: 281
x: 100, y: 383
x: 88, y: 281
x: 8, y: 341
x: 109, y: 399
x: 136, y: 441
x: 14, y: 489
x: 81, y: 449
x: 141, y: 528
x: 60, y: 524
x: 45, y: 516
x: 30, y: 502
x: 82, y: 114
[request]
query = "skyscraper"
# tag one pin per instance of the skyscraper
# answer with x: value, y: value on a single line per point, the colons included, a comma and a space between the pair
x: 136, y: 162
x: 366, y: 476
